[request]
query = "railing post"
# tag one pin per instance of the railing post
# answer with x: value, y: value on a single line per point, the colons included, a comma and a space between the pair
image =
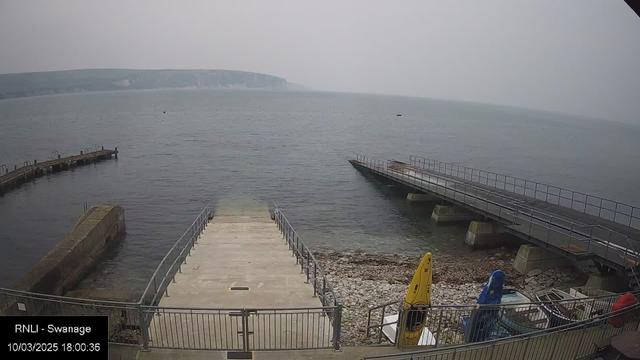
x: 590, y: 238
x: 155, y: 288
x: 570, y: 236
x: 300, y: 261
x: 572, y: 195
x: 526, y: 347
x: 144, y: 328
x: 324, y: 290
x: 308, y: 260
x: 439, y: 324
x: 600, y: 208
x: 555, y: 345
x: 315, y: 279
x: 337, y: 327
x: 384, y: 310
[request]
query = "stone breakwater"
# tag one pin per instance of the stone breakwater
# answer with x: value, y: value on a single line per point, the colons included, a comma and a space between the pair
x: 367, y: 280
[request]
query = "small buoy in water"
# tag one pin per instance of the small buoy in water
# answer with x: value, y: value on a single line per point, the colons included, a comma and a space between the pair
x: 164, y: 112
x: 398, y: 114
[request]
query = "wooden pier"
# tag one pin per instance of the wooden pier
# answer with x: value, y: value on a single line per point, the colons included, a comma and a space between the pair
x: 13, y: 179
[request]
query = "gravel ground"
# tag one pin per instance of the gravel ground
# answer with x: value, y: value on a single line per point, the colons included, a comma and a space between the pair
x: 367, y: 280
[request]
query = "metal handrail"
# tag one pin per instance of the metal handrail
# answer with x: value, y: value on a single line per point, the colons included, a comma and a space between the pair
x: 457, y: 308
x: 414, y: 160
x: 575, y: 224
x: 477, y: 174
x: 517, y: 202
x: 584, y: 324
x: 382, y: 324
x: 194, y: 231
x: 239, y: 329
x: 420, y: 162
x: 236, y: 309
x: 628, y: 240
x: 384, y: 305
x: 64, y: 299
x: 299, y: 249
x: 492, y: 306
x: 378, y: 165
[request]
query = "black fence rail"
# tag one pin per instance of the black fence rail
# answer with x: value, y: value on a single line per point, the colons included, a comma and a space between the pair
x: 315, y: 275
x: 450, y: 325
x: 148, y: 325
x: 570, y: 342
x: 125, y: 321
x: 241, y: 330
x: 191, y: 328
x: 172, y: 262
x: 616, y: 211
x: 377, y: 319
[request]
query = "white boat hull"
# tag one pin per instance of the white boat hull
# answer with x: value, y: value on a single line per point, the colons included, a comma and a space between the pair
x: 390, y: 328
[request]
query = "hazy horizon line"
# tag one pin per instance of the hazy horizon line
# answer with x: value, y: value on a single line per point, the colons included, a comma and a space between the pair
x: 307, y: 88
x: 133, y: 68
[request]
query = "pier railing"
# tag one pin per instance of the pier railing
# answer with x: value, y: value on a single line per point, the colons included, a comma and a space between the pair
x: 148, y: 325
x: 561, y: 232
x: 315, y: 275
x: 450, y: 325
x: 172, y: 262
x: 124, y: 318
x: 190, y: 328
x: 242, y: 330
x: 257, y: 329
x: 571, y: 341
x: 616, y: 211
x: 309, y: 266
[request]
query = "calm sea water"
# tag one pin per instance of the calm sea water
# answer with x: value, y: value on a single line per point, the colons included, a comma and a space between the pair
x: 287, y: 147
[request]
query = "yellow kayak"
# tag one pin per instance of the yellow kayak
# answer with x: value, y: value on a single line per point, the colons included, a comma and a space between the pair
x: 418, y: 298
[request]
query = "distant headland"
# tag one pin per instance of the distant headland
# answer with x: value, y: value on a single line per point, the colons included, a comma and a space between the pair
x: 85, y: 80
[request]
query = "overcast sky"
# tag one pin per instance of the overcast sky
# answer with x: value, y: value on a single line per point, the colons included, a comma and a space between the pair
x: 575, y: 56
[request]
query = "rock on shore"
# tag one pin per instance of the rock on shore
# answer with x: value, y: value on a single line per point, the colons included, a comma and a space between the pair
x: 367, y: 280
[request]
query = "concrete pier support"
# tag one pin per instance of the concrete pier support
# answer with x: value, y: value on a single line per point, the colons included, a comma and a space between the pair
x: 414, y: 198
x: 484, y: 235
x: 450, y: 214
x: 606, y: 282
x: 532, y: 257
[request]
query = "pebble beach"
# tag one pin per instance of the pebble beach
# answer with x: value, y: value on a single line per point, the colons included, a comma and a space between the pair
x: 364, y: 281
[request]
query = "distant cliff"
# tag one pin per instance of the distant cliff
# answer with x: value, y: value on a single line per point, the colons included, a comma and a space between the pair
x: 71, y: 81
